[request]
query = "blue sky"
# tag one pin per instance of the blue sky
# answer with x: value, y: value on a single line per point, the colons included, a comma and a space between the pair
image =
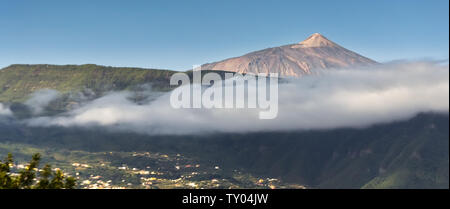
x: 178, y: 34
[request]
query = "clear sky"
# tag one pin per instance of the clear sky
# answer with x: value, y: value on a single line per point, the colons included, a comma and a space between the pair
x: 178, y: 34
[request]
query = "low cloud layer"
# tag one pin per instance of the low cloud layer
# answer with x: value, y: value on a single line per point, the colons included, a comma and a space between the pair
x: 40, y: 99
x: 4, y: 111
x: 334, y: 99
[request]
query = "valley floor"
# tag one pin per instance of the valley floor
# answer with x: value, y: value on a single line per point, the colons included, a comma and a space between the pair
x: 139, y: 170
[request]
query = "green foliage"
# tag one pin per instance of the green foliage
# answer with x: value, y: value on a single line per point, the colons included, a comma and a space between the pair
x: 27, y: 176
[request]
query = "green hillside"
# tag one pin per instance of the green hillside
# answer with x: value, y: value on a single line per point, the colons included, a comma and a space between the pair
x: 17, y: 82
x: 407, y: 154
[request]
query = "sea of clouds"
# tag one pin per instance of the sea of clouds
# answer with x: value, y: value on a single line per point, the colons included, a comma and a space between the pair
x: 356, y: 98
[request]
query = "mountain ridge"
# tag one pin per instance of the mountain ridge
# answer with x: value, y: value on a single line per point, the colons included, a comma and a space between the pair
x: 18, y: 81
x: 293, y: 60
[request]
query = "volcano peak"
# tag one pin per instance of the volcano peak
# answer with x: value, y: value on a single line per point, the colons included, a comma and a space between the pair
x: 316, y: 40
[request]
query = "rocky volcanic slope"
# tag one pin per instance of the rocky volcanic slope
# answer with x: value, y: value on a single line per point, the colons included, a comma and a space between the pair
x: 316, y: 52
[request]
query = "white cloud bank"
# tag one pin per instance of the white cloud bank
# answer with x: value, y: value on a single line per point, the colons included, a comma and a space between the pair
x: 40, y: 99
x: 4, y: 111
x: 335, y: 99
